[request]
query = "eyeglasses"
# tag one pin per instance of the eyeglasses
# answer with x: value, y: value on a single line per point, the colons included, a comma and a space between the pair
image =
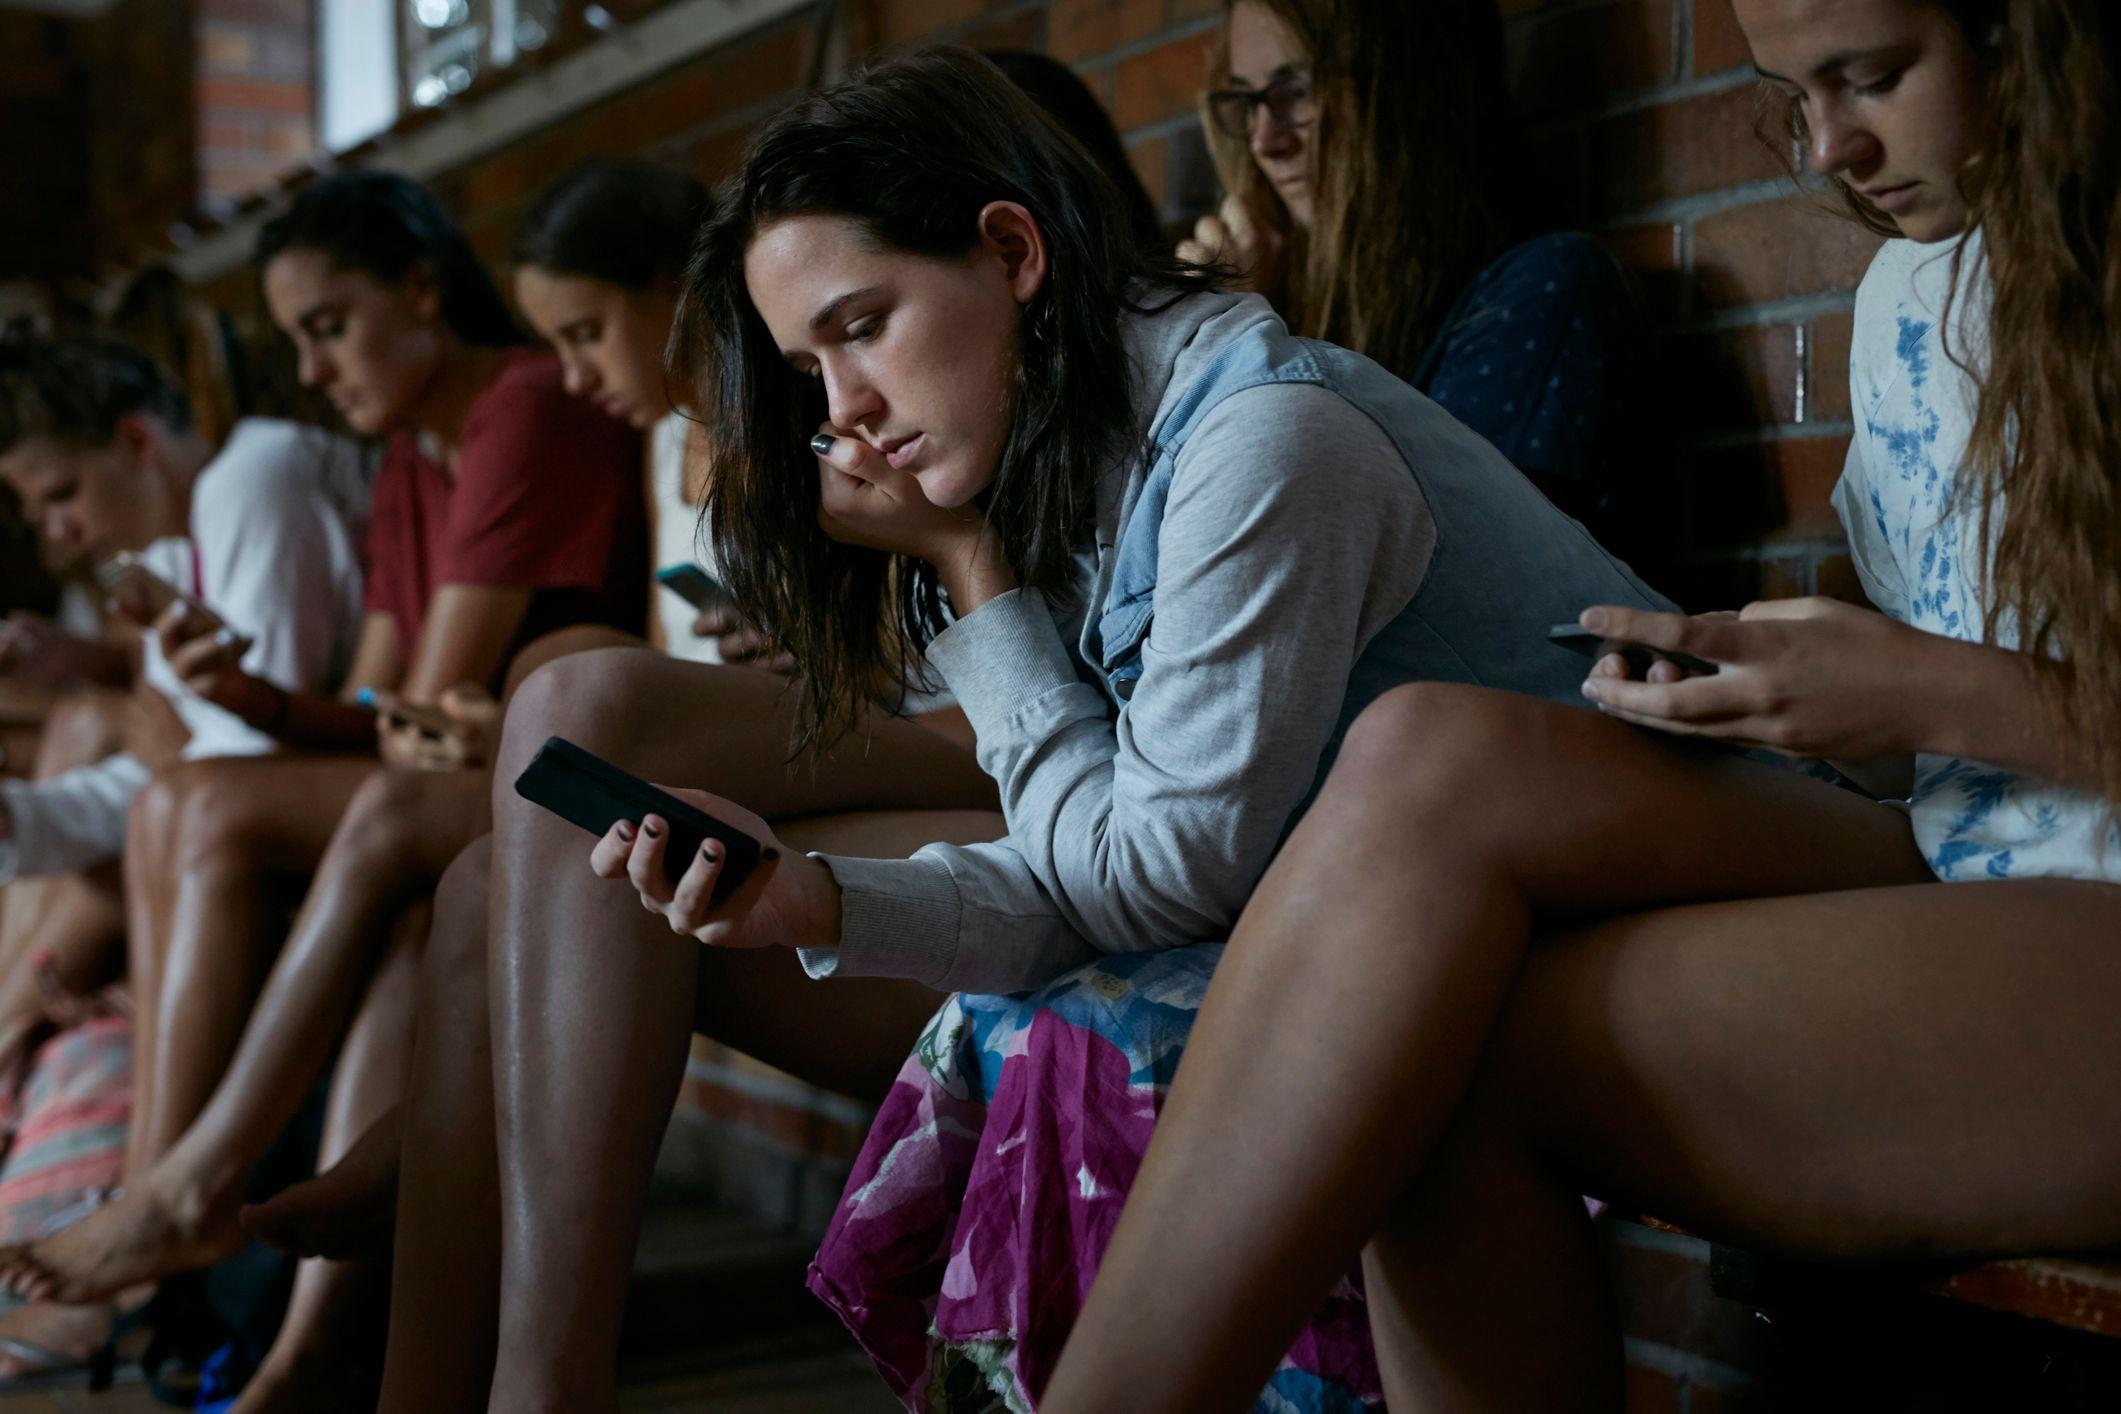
x: 1289, y: 100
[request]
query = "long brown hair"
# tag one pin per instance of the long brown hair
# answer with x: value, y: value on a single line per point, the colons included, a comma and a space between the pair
x: 2045, y: 459
x: 1413, y: 149
x: 2043, y: 463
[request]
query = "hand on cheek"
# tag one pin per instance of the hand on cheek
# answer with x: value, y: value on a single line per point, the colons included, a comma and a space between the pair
x: 864, y: 500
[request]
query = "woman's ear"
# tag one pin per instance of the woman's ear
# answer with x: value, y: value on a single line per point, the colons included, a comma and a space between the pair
x: 1009, y: 233
x: 423, y: 292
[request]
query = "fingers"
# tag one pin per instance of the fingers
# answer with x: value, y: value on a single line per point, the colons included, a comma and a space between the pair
x: 1713, y: 638
x: 607, y: 860
x: 1237, y: 220
x: 1194, y: 253
x: 848, y: 455
x: 644, y: 863
x: 692, y: 902
x: 1213, y: 237
x: 1697, y: 700
x: 714, y: 622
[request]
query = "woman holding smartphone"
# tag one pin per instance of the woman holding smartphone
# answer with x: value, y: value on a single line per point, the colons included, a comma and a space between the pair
x: 1817, y: 1026
x: 505, y: 509
x: 965, y: 418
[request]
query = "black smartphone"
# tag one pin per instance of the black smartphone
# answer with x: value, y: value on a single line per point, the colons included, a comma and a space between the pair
x: 694, y: 585
x: 586, y: 790
x: 1639, y: 655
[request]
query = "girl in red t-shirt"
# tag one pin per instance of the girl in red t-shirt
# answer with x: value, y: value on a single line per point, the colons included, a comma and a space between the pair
x: 506, y: 509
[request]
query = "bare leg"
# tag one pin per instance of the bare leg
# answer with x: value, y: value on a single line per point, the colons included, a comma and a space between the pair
x: 1363, y: 982
x: 324, y: 1354
x: 240, y: 827
x: 445, y: 1278
x: 1886, y: 1074
x: 591, y: 1036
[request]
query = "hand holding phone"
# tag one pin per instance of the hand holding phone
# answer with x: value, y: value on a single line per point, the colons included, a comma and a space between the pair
x: 144, y: 596
x: 586, y: 790
x: 451, y: 735
x: 1640, y: 657
x: 694, y: 585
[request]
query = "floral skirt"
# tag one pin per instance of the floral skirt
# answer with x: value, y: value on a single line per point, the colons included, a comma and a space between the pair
x: 981, y: 1203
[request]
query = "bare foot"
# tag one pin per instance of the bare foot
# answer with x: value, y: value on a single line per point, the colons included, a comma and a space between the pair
x: 140, y: 1236
x: 71, y: 1333
x: 349, y: 1210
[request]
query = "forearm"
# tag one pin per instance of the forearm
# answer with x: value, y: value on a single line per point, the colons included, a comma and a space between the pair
x: 1985, y: 704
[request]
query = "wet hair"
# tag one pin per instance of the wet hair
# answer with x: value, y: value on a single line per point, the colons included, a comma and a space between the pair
x: 76, y: 390
x: 911, y: 151
x: 625, y: 221
x: 387, y: 226
x: 1069, y: 102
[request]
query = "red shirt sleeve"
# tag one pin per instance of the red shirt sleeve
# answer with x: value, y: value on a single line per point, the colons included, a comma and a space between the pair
x: 544, y: 482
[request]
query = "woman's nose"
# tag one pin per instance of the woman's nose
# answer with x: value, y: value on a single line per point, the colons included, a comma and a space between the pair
x: 1837, y: 146
x: 850, y: 399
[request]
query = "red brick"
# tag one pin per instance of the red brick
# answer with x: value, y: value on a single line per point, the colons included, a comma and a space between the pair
x: 1686, y: 148
x: 1164, y: 82
x: 1774, y: 491
x: 1649, y: 247
x: 252, y: 96
x: 1152, y: 163
x: 227, y: 50
x: 1080, y: 28
x: 1730, y: 379
x: 1576, y: 58
x: 225, y: 135
x: 1024, y: 31
x: 1778, y: 249
x: 1835, y: 577
x: 1718, y: 42
x: 1651, y: 1392
x: 1830, y: 365
x: 902, y: 20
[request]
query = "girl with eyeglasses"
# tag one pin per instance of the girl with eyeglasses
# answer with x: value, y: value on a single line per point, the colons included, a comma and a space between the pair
x: 1376, y: 198
x: 1514, y: 954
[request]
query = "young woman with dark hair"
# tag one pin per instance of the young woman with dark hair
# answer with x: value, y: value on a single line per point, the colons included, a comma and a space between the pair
x: 505, y: 509
x: 1377, y: 198
x: 1782, y: 1031
x: 965, y: 421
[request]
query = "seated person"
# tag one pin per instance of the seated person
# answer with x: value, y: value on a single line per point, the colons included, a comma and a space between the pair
x: 1158, y: 646
x: 100, y: 448
x: 1516, y: 954
x: 505, y: 509
x: 1403, y: 228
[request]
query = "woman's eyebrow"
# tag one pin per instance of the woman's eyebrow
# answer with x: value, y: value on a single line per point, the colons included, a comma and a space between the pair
x: 1838, y: 60
x: 833, y: 306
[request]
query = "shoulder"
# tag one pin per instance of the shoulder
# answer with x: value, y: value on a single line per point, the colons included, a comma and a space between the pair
x: 526, y: 405
x: 265, y: 466
x: 1563, y: 269
x: 1292, y: 441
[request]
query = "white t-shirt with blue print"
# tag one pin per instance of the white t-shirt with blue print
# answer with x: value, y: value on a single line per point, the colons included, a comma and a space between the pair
x: 1911, y: 538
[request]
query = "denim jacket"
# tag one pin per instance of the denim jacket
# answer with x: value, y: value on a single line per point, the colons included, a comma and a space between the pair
x: 1302, y: 533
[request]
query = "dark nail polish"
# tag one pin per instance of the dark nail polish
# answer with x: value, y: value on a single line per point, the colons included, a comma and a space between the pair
x: 822, y: 443
x: 625, y: 831
x: 654, y: 832
x: 710, y: 851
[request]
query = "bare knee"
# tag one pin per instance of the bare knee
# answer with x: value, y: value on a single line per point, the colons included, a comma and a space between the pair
x: 562, y: 643
x: 381, y: 821
x: 1448, y: 761
x: 585, y: 697
x: 81, y: 727
x: 211, y: 814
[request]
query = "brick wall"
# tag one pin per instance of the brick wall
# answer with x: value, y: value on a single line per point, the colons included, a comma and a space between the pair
x: 99, y: 157
x: 255, y: 90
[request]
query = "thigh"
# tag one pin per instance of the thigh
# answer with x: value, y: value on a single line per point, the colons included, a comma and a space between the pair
x: 1880, y: 1073
x: 763, y: 1004
x: 728, y: 730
